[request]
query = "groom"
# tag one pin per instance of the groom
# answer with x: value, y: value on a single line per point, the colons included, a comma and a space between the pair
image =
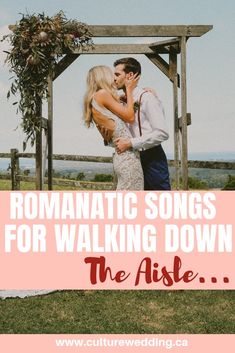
x: 149, y: 129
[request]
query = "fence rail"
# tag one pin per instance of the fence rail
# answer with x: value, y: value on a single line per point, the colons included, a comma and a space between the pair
x: 16, y: 177
x: 100, y: 159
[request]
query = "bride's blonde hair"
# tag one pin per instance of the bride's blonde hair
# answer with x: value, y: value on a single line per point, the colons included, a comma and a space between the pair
x: 98, y: 77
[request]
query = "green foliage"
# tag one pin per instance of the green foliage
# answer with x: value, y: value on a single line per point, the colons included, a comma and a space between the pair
x: 26, y: 172
x: 80, y: 176
x: 55, y: 173
x: 230, y: 184
x: 193, y: 183
x: 37, y: 42
x: 103, y: 178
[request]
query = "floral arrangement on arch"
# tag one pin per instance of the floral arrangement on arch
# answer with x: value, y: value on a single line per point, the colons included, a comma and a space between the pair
x: 37, y: 42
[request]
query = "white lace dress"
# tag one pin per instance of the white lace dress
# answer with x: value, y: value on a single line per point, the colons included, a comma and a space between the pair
x: 127, y: 165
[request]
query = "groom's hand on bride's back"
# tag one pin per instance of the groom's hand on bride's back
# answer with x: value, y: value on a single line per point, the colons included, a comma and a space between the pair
x: 122, y: 144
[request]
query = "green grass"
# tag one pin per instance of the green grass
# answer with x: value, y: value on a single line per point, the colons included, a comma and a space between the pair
x: 192, y: 312
x: 5, y: 185
x: 24, y: 185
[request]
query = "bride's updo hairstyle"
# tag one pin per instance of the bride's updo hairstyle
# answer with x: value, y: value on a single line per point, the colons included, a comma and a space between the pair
x: 98, y: 77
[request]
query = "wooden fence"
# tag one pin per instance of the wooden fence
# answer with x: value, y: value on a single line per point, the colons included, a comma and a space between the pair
x: 16, y: 176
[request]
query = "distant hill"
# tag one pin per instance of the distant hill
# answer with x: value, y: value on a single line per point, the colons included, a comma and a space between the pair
x: 212, y: 156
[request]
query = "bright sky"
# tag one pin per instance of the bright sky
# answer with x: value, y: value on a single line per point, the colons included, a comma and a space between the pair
x: 210, y: 72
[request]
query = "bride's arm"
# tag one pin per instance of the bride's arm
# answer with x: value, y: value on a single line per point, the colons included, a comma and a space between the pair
x: 126, y: 113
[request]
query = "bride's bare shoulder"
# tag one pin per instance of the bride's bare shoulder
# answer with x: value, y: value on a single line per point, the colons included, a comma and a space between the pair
x: 102, y: 93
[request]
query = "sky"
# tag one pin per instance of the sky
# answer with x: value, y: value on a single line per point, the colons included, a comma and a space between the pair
x: 210, y: 73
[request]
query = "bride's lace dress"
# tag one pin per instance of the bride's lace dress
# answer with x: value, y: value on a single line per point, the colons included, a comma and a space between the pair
x: 127, y: 165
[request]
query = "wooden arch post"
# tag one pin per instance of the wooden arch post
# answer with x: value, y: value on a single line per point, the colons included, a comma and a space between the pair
x: 38, y: 149
x: 50, y: 133
x: 173, y: 47
x: 184, y: 160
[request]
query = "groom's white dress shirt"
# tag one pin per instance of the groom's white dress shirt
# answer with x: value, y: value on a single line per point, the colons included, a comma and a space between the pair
x: 153, y: 124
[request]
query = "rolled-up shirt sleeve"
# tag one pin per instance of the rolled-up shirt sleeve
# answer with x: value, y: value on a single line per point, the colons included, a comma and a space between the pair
x: 154, y: 128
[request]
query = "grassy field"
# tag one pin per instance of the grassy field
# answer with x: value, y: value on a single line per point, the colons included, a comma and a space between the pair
x: 194, y: 312
x: 6, y: 185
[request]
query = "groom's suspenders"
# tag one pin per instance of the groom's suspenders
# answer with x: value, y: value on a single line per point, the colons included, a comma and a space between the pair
x: 140, y: 130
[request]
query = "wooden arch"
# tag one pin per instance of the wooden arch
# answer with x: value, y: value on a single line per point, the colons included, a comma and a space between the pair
x: 173, y: 47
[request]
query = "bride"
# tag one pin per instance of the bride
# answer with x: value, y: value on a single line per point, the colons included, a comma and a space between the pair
x: 101, y: 98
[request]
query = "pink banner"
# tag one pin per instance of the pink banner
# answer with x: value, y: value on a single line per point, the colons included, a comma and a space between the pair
x: 117, y: 240
x: 117, y: 343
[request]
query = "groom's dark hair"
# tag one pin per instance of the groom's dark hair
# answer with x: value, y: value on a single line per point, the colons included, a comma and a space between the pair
x: 130, y: 65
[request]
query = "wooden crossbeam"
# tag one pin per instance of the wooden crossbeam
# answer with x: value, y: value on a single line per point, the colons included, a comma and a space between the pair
x: 149, y: 31
x: 146, y: 31
x: 120, y: 49
x: 167, y: 45
x: 64, y: 63
x: 162, y: 65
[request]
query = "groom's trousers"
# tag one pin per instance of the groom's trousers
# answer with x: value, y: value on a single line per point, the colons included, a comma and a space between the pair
x: 155, y: 168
